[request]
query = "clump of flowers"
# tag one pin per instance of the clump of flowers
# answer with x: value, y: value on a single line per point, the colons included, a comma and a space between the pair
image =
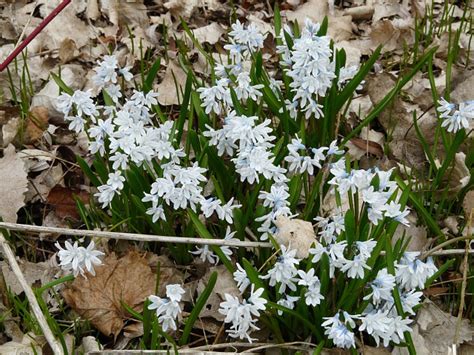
x: 257, y: 148
x: 456, y: 117
x: 167, y: 309
x: 243, y: 315
x: 77, y: 259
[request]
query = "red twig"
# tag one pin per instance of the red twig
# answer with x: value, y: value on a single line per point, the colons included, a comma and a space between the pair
x: 33, y: 34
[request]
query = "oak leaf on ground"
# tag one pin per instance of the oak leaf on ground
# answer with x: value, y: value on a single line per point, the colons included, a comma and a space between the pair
x: 126, y: 280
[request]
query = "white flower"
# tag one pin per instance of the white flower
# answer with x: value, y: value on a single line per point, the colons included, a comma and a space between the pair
x: 84, y: 103
x: 79, y: 259
x: 167, y: 309
x: 398, y: 326
x: 228, y: 236
x: 116, y: 181
x: 313, y: 295
x: 205, y: 253
x: 225, y: 212
x: 288, y: 302
x: 240, y: 276
x: 64, y: 103
x: 209, y: 206
x: 382, y: 287
x: 412, y: 273
x: 105, y: 195
x: 114, y: 92
x: 174, y: 292
x: 366, y: 248
x: 307, y: 278
x: 157, y: 212
x: 355, y: 268
x: 393, y: 210
x: 241, y: 314
x: 125, y: 72
x: 456, y: 118
x: 106, y: 73
x: 284, y: 270
x: 410, y: 300
x: 249, y: 37
x: 377, y: 324
x: 76, y: 123
x: 338, y: 332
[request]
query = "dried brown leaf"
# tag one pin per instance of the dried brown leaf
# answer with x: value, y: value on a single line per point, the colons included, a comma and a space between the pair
x: 9, y: 122
x: 225, y: 284
x: 367, y: 146
x: 36, y: 124
x: 62, y: 199
x: 435, y: 330
x: 37, y: 274
x: 13, y: 184
x: 172, y: 84
x: 99, y: 298
x: 210, y: 33
x: 295, y: 234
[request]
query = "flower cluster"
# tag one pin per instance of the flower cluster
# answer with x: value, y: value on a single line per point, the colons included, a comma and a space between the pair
x: 243, y: 315
x: 167, y: 309
x: 125, y: 136
x: 377, y: 197
x: 456, y: 117
x: 78, y: 259
x: 310, y: 66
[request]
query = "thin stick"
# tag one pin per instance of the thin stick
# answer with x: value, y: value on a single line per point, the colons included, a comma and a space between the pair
x: 133, y: 236
x: 10, y: 256
x: 463, y: 285
x: 33, y: 34
x: 173, y: 239
x: 446, y: 243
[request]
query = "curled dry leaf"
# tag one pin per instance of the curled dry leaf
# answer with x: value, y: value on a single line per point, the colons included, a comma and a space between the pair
x: 295, y: 234
x: 225, y: 284
x: 435, y: 330
x: 468, y: 203
x: 369, y: 142
x: 41, y: 185
x: 29, y: 345
x: 63, y: 201
x: 172, y: 84
x: 315, y: 10
x: 36, y: 124
x: 14, y: 184
x: 99, y: 298
x: 37, y: 274
x: 9, y: 123
x: 210, y: 33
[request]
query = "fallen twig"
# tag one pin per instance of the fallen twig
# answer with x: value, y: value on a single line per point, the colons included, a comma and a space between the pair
x: 133, y: 236
x: 188, y: 240
x: 10, y: 257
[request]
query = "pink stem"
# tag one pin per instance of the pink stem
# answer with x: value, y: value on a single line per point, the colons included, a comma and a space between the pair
x: 33, y: 34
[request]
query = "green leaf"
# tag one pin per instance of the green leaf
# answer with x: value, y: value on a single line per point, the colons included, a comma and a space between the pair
x: 63, y: 86
x: 151, y: 75
x: 351, y: 229
x: 413, y: 198
x: 88, y: 171
x: 183, y: 112
x: 200, y: 303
